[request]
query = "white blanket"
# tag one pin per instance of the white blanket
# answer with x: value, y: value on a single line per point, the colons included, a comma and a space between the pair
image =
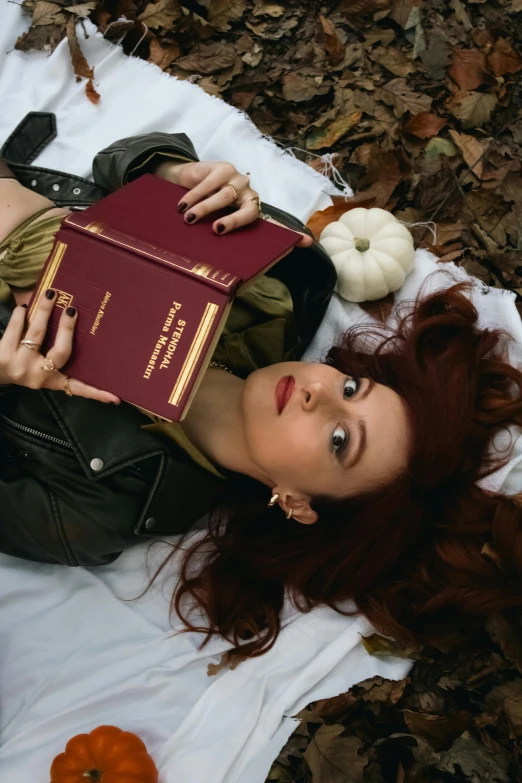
x: 74, y: 655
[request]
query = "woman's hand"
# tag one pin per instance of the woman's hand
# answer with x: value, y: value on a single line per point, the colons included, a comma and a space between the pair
x: 23, y: 364
x: 208, y: 183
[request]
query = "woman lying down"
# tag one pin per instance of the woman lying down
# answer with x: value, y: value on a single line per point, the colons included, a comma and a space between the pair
x: 354, y: 478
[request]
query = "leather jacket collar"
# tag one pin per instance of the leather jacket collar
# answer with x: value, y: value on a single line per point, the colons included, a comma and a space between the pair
x: 99, y: 456
x: 25, y: 143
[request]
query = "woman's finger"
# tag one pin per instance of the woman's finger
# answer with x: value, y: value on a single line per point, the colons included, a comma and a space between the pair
x: 63, y: 343
x: 305, y: 239
x: 77, y: 388
x: 13, y: 333
x: 221, y: 175
x: 225, y: 197
x: 38, y: 326
x: 247, y: 213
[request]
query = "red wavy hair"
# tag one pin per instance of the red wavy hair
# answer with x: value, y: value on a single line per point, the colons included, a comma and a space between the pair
x: 428, y: 558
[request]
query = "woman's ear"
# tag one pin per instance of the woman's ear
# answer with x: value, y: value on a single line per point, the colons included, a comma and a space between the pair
x: 304, y: 513
x: 296, y: 505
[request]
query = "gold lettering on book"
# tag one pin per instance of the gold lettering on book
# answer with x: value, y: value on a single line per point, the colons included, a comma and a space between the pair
x: 101, y: 312
x: 50, y: 273
x: 203, y: 270
x: 64, y: 299
x: 166, y: 342
x: 194, y: 353
x: 173, y: 344
x: 95, y: 228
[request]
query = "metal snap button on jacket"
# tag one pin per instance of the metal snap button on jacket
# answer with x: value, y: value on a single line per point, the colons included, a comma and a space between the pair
x: 96, y: 464
x: 149, y: 524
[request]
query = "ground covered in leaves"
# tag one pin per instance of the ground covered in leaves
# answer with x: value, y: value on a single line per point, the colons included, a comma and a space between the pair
x: 418, y: 105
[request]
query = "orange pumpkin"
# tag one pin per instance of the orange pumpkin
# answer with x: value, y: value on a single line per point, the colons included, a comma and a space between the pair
x: 106, y: 755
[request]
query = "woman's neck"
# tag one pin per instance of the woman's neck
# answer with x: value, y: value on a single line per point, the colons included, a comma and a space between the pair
x: 214, y: 423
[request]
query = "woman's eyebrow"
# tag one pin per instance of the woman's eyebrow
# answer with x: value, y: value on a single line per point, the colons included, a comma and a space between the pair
x: 366, y: 391
x: 354, y: 458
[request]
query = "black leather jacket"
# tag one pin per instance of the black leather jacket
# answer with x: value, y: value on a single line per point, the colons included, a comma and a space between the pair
x: 79, y: 480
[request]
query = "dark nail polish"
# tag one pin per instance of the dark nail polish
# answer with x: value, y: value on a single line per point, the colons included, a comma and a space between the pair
x: 190, y: 217
x: 182, y: 207
x: 220, y: 228
x: 24, y: 305
x: 71, y: 311
x: 49, y: 294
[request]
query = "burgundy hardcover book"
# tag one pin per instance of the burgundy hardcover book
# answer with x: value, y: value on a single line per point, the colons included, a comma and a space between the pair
x: 152, y: 292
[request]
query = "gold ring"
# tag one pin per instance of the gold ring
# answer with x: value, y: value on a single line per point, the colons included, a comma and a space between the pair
x: 257, y: 202
x: 49, y: 365
x: 31, y: 345
x: 67, y: 387
x: 234, y: 189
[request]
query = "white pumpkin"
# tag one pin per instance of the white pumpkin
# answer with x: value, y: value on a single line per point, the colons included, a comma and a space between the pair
x: 372, y: 253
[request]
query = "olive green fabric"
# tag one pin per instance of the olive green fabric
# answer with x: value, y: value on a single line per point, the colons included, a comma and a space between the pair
x: 260, y: 329
x: 24, y: 252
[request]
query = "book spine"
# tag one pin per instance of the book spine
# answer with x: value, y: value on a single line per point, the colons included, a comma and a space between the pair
x: 222, y: 281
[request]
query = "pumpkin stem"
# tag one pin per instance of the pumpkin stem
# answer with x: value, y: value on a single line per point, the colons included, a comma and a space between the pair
x: 94, y: 775
x: 361, y: 244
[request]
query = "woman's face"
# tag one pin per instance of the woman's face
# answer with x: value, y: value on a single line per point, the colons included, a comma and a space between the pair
x: 313, y: 430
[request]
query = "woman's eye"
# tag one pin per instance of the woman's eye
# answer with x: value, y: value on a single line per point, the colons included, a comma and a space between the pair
x: 351, y: 387
x: 339, y: 440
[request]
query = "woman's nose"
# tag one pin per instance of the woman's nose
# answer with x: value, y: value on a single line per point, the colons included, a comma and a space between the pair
x: 314, y: 394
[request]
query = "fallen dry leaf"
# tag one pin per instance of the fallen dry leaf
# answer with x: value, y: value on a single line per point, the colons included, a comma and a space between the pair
x: 381, y: 646
x: 439, y: 729
x: 329, y: 134
x: 208, y: 58
x: 81, y: 9
x: 461, y: 14
x: 333, y: 44
x: 363, y: 7
x: 336, y: 705
x: 335, y: 760
x: 42, y: 37
x: 323, y: 217
x: 511, y: 189
x: 397, y: 94
x: 46, y: 13
x: 163, y: 56
x: 508, y: 698
x: 504, y: 59
x: 471, y: 759
x: 299, y: 87
x: 436, y: 56
x: 468, y: 68
x: 80, y: 65
x: 405, y: 12
x: 160, y: 14
x: 471, y: 149
x: 424, y: 125
x: 393, y: 60
x: 220, y: 13
x: 472, y: 108
x: 91, y: 92
x: 382, y: 168
x: 377, y: 688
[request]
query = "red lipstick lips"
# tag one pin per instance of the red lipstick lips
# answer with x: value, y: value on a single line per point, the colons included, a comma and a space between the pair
x: 283, y: 392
